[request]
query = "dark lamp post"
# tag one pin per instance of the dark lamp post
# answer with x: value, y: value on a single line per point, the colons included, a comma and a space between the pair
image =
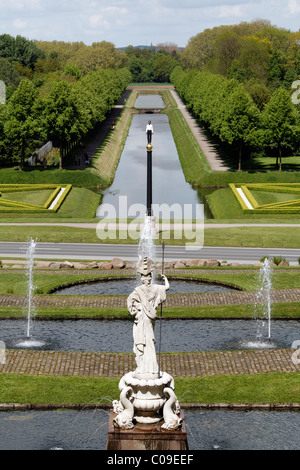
x: 149, y: 179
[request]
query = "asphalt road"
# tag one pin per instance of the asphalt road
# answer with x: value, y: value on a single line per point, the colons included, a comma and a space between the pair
x: 68, y: 251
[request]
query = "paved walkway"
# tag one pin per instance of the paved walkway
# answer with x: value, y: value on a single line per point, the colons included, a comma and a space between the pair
x: 197, y: 364
x: 173, y: 300
x: 214, y: 160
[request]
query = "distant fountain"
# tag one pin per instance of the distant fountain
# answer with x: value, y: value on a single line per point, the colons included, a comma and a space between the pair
x: 30, y: 263
x: 263, y: 303
x: 146, y: 248
x: 262, y: 309
x: 29, y: 342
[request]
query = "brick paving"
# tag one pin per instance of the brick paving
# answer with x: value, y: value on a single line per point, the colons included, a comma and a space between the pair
x: 173, y: 300
x: 115, y: 365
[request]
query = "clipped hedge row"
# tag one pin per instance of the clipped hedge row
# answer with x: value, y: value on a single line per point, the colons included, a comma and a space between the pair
x: 61, y: 199
x: 239, y: 198
x: 11, y: 188
x: 250, y: 197
x: 52, y: 197
x: 7, y: 205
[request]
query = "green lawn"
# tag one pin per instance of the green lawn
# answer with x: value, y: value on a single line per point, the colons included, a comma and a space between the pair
x: 81, y: 203
x: 224, y: 205
x: 46, y: 282
x: 268, y: 197
x: 280, y: 236
x: 279, y: 310
x: 259, y: 388
x: 29, y: 197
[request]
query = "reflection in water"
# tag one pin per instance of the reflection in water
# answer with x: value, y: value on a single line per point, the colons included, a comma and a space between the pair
x: 169, y: 184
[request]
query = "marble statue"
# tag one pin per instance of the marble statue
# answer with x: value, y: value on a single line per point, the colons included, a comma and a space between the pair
x: 147, y: 394
x: 142, y: 304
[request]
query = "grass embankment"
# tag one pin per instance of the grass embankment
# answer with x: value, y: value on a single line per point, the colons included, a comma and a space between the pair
x: 224, y: 205
x: 259, y: 388
x: 80, y: 204
x: 106, y: 160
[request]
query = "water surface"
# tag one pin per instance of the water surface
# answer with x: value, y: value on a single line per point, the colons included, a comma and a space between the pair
x: 126, y: 286
x: 206, y: 430
x: 168, y: 182
x: 177, y: 335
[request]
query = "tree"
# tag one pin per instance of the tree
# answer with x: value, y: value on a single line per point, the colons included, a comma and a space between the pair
x: 163, y: 64
x: 23, y: 125
x: 135, y: 67
x: 20, y: 50
x: 279, y: 120
x: 63, y: 119
x: 227, y: 49
x: 9, y: 75
x: 239, y: 120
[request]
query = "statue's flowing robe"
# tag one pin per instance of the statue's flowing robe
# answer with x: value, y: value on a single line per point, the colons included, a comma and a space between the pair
x: 143, y: 303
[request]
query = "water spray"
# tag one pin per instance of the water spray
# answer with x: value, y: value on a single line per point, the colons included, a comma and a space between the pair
x: 160, y: 322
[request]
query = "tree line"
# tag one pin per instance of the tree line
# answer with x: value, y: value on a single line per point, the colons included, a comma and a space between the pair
x: 41, y: 60
x: 228, y: 111
x: 66, y: 110
x: 257, y: 54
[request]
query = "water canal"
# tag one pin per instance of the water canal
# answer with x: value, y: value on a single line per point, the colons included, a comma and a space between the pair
x: 169, y: 184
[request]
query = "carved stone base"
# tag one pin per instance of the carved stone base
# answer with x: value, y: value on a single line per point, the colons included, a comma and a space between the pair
x: 146, y: 436
x: 146, y: 400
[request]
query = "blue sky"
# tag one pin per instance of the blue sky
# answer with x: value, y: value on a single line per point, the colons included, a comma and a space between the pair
x: 136, y: 22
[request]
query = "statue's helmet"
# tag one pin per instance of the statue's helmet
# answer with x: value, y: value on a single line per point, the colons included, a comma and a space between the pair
x: 145, y: 266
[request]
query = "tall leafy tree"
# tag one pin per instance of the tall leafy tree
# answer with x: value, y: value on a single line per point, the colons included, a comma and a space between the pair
x: 279, y: 120
x: 23, y: 127
x: 62, y: 115
x: 239, y: 120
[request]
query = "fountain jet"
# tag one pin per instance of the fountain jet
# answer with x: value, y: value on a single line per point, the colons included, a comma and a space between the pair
x: 30, y: 263
x: 264, y: 294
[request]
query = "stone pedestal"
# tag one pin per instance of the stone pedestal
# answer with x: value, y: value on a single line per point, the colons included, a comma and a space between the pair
x: 146, y: 437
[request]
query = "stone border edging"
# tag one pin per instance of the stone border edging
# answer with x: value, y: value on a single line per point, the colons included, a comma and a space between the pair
x: 190, y: 406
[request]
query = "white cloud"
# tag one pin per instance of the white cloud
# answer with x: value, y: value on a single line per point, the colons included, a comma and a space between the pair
x: 20, y: 24
x: 136, y: 22
x: 294, y: 7
x: 98, y: 21
x: 229, y: 11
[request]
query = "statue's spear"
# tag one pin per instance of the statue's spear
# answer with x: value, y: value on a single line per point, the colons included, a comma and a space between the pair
x: 160, y: 323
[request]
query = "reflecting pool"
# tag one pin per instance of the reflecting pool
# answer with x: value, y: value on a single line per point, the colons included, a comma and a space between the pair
x: 169, y: 184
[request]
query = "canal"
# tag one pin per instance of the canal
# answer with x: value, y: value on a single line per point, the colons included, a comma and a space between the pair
x: 169, y: 186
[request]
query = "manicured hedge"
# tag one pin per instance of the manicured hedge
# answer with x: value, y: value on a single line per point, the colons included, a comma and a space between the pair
x: 7, y: 205
x: 290, y: 207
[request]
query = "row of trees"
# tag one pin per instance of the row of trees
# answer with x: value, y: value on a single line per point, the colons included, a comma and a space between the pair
x: 36, y: 60
x: 226, y: 108
x: 64, y: 114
